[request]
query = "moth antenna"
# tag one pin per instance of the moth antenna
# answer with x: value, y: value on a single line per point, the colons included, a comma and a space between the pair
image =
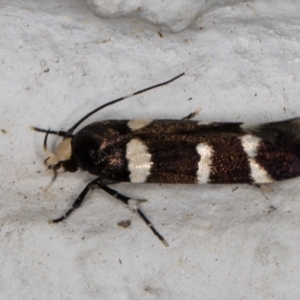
x: 198, y: 66
x: 55, y: 132
x: 70, y: 131
x: 48, y: 153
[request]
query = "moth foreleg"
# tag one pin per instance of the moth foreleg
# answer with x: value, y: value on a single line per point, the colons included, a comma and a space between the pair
x: 77, y: 203
x: 133, y: 205
x: 192, y: 115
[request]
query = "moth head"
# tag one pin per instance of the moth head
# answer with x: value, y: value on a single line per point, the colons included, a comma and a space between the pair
x: 61, y: 161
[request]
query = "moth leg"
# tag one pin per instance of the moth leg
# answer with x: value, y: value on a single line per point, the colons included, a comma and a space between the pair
x: 264, y: 187
x: 77, y: 203
x: 192, y: 115
x: 133, y: 205
x: 56, y: 132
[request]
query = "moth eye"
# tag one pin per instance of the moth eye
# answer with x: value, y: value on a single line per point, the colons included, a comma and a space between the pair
x: 69, y: 165
x: 57, y: 166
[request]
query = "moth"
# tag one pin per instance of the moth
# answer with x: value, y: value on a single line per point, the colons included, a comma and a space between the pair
x: 174, y: 151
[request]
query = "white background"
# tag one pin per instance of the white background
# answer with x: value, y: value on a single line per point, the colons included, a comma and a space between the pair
x: 58, y: 62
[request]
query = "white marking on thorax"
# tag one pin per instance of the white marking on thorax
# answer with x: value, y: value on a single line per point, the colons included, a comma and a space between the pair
x: 204, y: 164
x: 139, y: 161
x: 250, y: 144
x: 138, y: 124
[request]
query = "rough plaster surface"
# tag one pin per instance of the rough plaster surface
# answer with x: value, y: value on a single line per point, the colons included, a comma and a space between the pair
x: 169, y: 14
x: 59, y: 61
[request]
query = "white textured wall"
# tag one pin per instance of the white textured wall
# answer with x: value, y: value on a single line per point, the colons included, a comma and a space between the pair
x: 168, y: 14
x: 59, y: 61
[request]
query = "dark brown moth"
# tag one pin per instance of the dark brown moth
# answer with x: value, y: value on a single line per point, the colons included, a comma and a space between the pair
x: 175, y: 151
